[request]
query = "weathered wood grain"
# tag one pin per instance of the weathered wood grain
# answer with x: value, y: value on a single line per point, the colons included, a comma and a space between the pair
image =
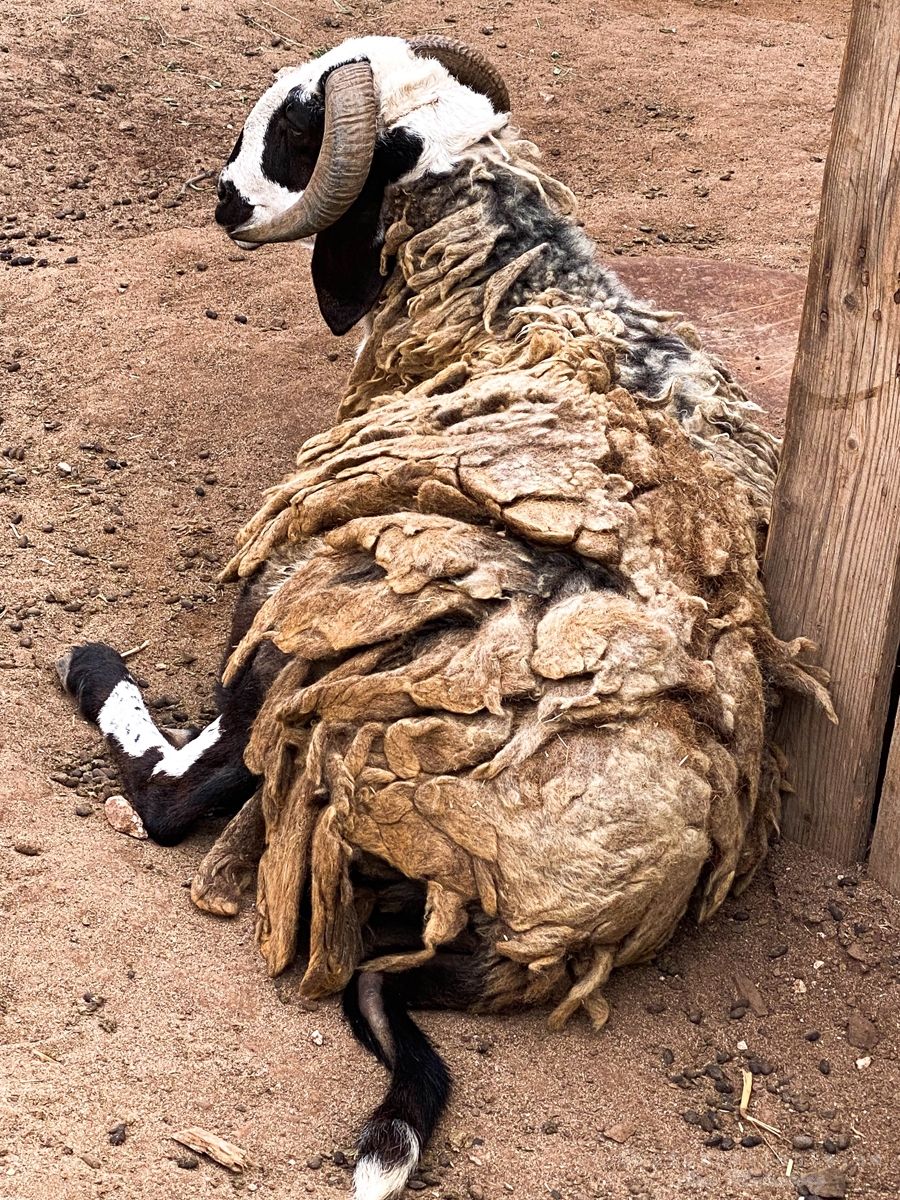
x: 833, y: 562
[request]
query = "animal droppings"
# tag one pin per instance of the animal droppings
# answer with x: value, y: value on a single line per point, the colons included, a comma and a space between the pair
x: 117, y: 1134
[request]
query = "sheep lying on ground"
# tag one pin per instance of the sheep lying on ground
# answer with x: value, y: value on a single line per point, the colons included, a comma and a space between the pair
x: 502, y: 670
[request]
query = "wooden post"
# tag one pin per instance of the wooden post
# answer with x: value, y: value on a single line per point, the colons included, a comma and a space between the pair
x: 833, y: 561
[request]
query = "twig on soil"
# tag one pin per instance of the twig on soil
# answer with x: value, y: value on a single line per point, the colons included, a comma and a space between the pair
x: 203, y: 1142
x: 733, y: 312
x: 745, y: 1100
x: 271, y: 32
x: 275, y: 8
x: 136, y: 649
x: 196, y: 179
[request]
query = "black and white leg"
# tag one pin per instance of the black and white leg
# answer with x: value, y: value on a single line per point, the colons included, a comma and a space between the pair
x: 168, y: 786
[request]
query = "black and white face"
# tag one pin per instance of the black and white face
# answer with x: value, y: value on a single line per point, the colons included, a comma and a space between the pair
x: 274, y: 157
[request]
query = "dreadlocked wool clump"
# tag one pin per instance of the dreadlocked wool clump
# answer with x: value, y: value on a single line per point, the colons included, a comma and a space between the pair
x: 531, y: 659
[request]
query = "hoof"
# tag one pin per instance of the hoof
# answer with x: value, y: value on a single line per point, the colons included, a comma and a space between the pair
x: 180, y: 737
x: 62, y: 668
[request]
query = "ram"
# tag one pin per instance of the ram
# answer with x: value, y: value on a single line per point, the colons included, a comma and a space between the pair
x: 496, y: 700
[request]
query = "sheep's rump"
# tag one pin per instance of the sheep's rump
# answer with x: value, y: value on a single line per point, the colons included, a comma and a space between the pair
x: 531, y: 664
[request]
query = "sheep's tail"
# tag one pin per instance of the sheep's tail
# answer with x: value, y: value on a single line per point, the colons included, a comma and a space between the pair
x: 393, y: 1137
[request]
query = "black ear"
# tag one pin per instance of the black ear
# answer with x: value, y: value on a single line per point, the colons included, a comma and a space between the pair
x: 346, y: 262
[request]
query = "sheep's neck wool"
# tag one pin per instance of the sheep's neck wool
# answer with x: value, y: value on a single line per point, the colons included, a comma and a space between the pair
x: 532, y: 664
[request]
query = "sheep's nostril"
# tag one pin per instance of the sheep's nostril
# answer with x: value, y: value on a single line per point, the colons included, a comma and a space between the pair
x: 232, y: 209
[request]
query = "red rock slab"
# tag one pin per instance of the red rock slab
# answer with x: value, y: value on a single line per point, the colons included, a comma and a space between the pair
x: 749, y: 316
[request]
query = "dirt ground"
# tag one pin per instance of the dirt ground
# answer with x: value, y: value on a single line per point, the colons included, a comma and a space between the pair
x: 154, y: 381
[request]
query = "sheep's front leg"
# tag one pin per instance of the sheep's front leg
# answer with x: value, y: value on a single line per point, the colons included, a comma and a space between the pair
x: 168, y: 786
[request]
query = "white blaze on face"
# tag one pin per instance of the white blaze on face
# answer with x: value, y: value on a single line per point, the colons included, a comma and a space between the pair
x: 410, y: 92
x: 124, y: 716
x: 269, y: 198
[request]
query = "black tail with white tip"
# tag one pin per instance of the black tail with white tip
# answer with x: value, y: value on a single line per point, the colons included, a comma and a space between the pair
x: 392, y: 1139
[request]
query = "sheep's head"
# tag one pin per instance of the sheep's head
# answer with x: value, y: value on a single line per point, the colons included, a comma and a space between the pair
x: 322, y: 144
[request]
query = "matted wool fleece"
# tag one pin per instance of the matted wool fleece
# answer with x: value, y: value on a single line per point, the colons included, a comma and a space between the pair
x: 531, y: 656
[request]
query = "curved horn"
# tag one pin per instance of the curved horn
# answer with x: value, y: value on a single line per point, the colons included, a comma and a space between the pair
x: 466, y: 65
x: 343, y: 164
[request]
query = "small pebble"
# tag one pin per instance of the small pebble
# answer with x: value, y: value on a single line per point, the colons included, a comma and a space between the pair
x: 802, y: 1141
x: 212, y: 314
x: 73, y: 258
x: 187, y: 1162
x: 812, y: 1035
x: 750, y: 1141
x: 778, y: 951
x: 727, y: 1143
x: 201, y: 266
x: 117, y: 1134
x: 27, y: 848
x: 240, y: 318
x: 690, y: 1117
x: 668, y: 1057
x: 83, y: 809
x: 824, y: 1066
x: 695, y: 1016
x: 314, y: 1163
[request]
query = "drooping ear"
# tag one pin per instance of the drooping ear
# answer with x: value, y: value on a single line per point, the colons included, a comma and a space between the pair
x: 346, y: 261
x: 346, y: 266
